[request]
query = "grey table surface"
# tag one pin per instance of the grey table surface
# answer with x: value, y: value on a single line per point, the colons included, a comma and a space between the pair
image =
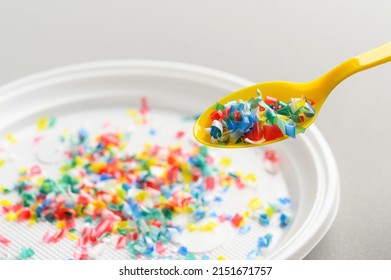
x: 258, y: 40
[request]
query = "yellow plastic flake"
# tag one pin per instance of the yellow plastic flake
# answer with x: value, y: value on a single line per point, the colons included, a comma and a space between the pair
x: 209, y: 226
x: 42, y: 123
x: 141, y: 196
x: 121, y: 193
x: 255, y: 203
x: 162, y: 201
x: 79, y: 209
x: 61, y: 224
x: 65, y: 134
x: 251, y: 177
x: 186, y: 173
x: 135, y: 115
x: 33, y: 219
x: 96, y: 167
x: 188, y: 209
x: 269, y: 211
x: 191, y: 227
x: 221, y: 258
x: 246, y: 214
x: 123, y: 224
x: 11, y: 216
x: 2, y: 162
x: 79, y: 161
x: 6, y: 202
x: 122, y: 146
x: 72, y: 236
x: 225, y: 161
x: 10, y: 138
x: 115, y: 228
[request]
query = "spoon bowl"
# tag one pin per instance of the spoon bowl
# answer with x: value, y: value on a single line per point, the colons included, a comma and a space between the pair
x: 316, y: 90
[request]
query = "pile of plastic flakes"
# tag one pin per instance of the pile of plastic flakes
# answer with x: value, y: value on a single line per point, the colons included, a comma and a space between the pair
x: 106, y: 196
x: 258, y: 120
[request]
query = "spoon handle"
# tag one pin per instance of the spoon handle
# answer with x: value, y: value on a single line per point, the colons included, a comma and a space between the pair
x: 356, y: 64
x: 374, y: 57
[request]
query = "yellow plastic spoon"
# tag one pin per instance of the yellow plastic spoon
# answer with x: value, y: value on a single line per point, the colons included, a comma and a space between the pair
x: 317, y: 90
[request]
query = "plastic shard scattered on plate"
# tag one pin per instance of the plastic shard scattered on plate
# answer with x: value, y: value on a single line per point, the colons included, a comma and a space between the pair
x: 142, y: 198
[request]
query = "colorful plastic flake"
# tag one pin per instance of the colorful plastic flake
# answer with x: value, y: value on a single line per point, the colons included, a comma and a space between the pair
x: 258, y: 119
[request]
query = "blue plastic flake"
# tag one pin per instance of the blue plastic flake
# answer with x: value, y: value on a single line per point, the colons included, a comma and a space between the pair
x: 205, y: 257
x: 218, y: 198
x: 244, y: 229
x: 105, y: 177
x: 290, y: 130
x: 268, y: 238
x: 135, y: 209
x: 126, y: 187
x: 215, y: 132
x: 228, y: 217
x: 264, y: 220
x: 83, y: 134
x: 213, y: 214
x: 284, y: 220
x: 172, y: 231
x: 199, y: 214
x: 264, y: 242
x: 252, y: 255
x: 152, y: 132
x: 182, y: 250
x: 284, y: 200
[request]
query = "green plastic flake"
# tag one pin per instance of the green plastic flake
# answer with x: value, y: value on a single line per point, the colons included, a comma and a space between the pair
x: 88, y: 219
x: 204, y: 151
x: 52, y: 122
x: 219, y: 106
x: 115, y: 207
x: 5, y: 191
x: 67, y: 179
x: 28, y: 199
x: 167, y: 213
x: 154, y: 233
x: 190, y: 256
x: 26, y: 253
x: 300, y: 129
x: 122, y: 231
x: 286, y: 111
x: 47, y: 186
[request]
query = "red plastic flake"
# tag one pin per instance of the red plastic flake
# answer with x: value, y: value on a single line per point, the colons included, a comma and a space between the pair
x: 216, y: 115
x: 35, y: 170
x: 236, y: 220
x: 24, y: 214
x: 271, y: 155
x: 210, y: 183
x: 144, y: 106
x: 272, y: 132
x: 180, y: 134
x: 222, y: 218
x: 4, y: 240
x: 159, y: 247
x: 256, y: 134
x: 121, y: 243
x: 312, y: 102
x: 37, y: 139
x: 271, y: 101
x: 239, y: 183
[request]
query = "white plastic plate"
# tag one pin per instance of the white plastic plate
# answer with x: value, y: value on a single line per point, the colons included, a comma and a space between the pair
x: 89, y: 95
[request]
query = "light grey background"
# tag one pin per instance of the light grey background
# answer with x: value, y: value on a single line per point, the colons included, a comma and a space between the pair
x: 260, y: 40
